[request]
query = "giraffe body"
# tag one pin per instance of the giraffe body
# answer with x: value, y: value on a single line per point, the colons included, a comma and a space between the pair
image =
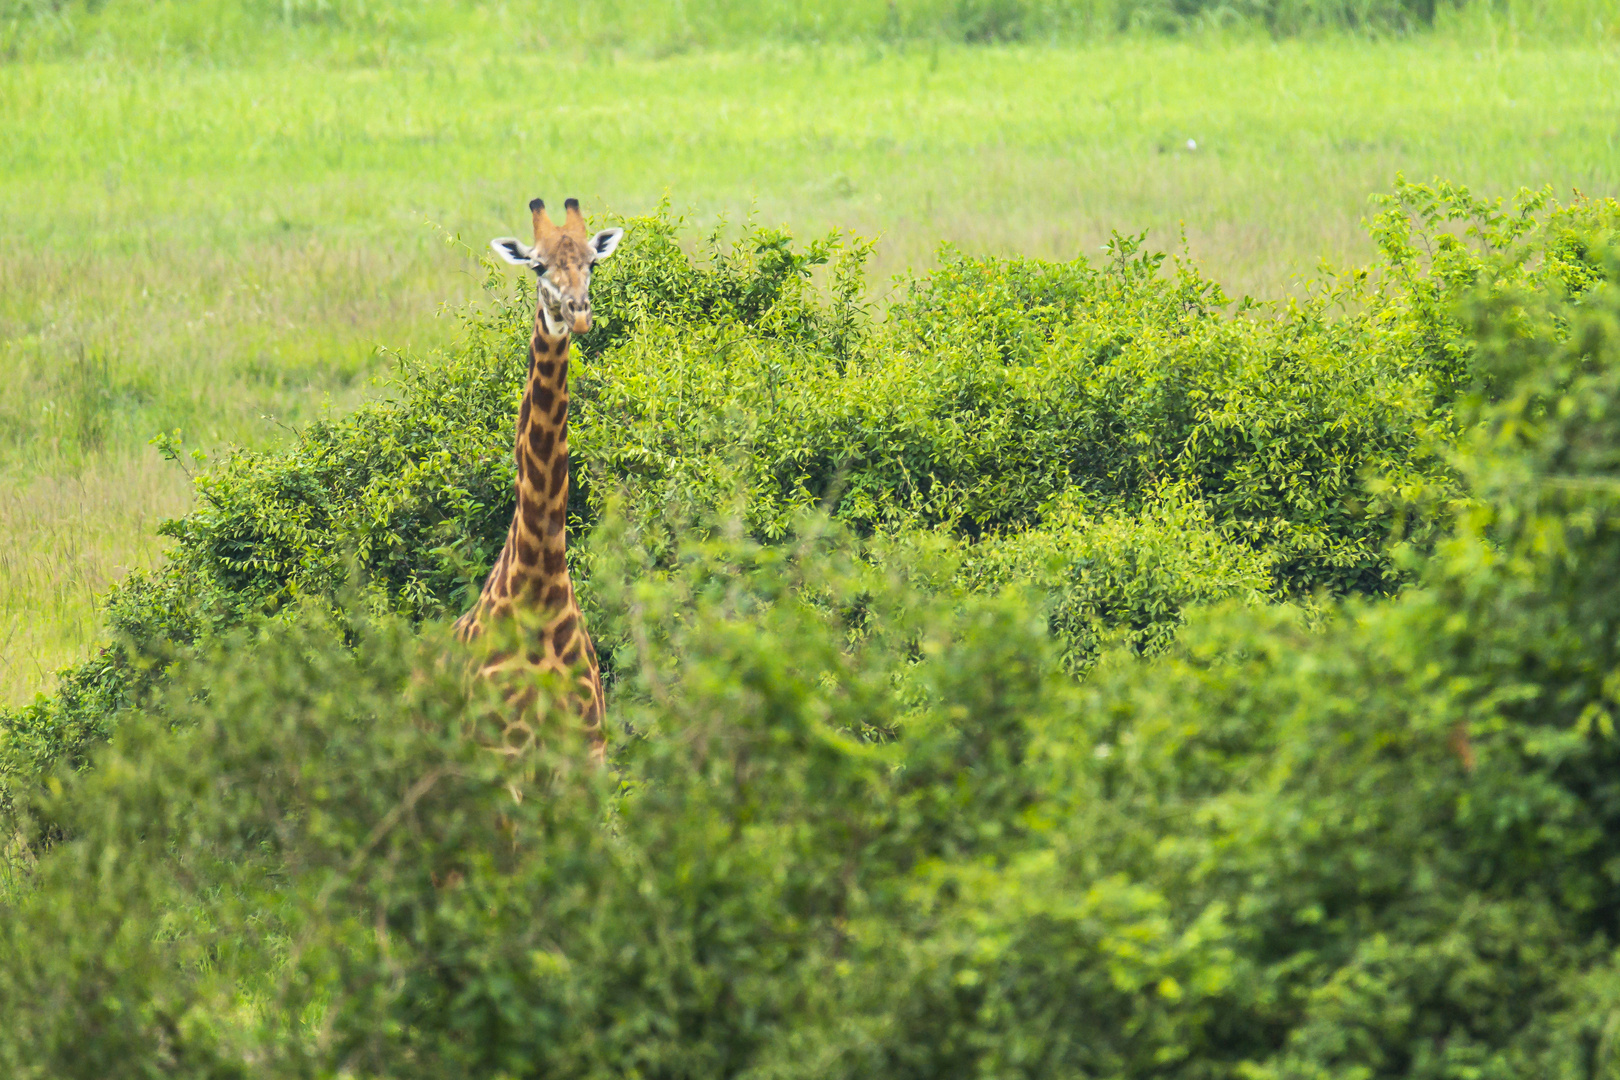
x: 529, y: 582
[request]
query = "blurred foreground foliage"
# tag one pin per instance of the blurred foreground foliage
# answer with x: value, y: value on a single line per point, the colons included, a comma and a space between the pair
x: 921, y: 768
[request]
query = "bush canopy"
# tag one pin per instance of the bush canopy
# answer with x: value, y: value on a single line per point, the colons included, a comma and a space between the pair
x: 1068, y: 673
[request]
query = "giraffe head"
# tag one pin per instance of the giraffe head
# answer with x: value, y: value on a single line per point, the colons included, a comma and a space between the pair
x: 562, y: 259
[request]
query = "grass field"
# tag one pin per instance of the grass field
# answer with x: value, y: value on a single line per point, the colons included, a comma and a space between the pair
x: 222, y: 249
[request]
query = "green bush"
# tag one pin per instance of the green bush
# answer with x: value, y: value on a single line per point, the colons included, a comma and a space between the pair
x: 996, y: 397
x: 1412, y: 823
x: 861, y: 823
x: 1115, y: 577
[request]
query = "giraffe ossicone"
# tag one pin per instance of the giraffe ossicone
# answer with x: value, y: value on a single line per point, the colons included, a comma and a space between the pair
x: 529, y: 583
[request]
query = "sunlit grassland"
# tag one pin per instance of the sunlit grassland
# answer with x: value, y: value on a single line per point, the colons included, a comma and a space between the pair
x: 221, y: 249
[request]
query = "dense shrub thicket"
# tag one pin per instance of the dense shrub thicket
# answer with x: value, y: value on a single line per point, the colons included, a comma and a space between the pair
x: 1113, y: 436
x: 1357, y: 819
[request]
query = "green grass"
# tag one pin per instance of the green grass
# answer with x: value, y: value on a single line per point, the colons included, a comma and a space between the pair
x: 377, y: 29
x: 221, y: 248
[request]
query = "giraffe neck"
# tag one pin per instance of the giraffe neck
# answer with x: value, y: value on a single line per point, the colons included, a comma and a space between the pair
x: 533, y: 569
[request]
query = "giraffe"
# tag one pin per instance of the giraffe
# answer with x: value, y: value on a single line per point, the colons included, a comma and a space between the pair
x: 530, y: 578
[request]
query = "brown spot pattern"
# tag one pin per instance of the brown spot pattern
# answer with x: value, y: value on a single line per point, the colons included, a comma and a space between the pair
x: 554, y: 560
x: 533, y: 520
x: 564, y: 632
x: 538, y: 442
x: 527, y: 550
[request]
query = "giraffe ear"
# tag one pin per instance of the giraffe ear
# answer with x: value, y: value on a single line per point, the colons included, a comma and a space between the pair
x: 604, y: 242
x: 515, y: 251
